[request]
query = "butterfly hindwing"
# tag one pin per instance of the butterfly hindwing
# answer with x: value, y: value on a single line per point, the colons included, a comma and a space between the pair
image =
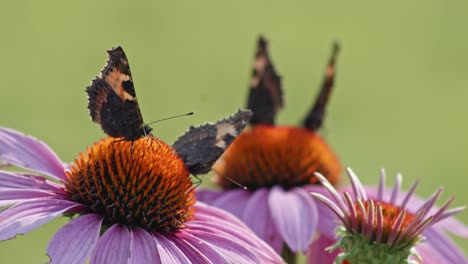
x: 112, y: 99
x: 201, y: 146
x: 265, y: 94
x: 314, y: 119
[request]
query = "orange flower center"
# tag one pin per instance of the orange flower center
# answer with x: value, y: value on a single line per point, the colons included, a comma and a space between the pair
x: 390, y: 215
x: 266, y: 156
x: 142, y: 183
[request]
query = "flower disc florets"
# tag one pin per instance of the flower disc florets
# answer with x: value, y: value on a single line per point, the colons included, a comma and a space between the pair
x: 136, y: 183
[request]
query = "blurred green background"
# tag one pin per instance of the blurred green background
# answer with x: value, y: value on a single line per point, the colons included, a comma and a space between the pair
x: 400, y: 98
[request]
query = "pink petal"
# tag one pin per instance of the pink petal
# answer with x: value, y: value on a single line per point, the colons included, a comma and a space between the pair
x: 442, y: 247
x: 207, y: 196
x: 168, y: 251
x: 318, y: 254
x: 73, y: 243
x: 257, y: 216
x: 295, y: 216
x: 15, y: 180
x: 29, y: 153
x: 231, y: 248
x: 11, y: 196
x: 216, y: 221
x: 143, y: 248
x: 24, y: 217
x: 194, y: 251
x: 204, y: 249
x: 113, y: 247
x: 328, y: 221
x: 233, y: 201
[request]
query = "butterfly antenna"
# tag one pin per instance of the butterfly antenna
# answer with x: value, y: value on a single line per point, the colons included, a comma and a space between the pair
x: 243, y: 187
x: 172, y: 117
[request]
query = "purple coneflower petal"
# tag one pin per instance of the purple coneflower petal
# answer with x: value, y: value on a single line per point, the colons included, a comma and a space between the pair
x: 15, y: 180
x: 358, y: 188
x: 331, y: 190
x: 295, y: 216
x: 11, y: 196
x: 208, y: 195
x: 113, y: 246
x: 257, y: 216
x: 396, y: 189
x: 192, y: 252
x: 73, y: 243
x: 143, y: 247
x: 24, y: 217
x: 318, y: 254
x: 29, y: 153
x: 409, y: 194
x: 204, y: 250
x: 233, y: 201
x: 444, y: 245
x: 231, y: 248
x: 214, y: 220
x: 168, y: 251
x: 381, y: 188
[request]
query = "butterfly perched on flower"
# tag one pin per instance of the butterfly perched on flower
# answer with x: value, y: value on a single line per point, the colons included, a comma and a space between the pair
x: 113, y: 104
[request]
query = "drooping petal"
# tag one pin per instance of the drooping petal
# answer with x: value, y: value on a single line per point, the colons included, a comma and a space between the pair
x: 257, y: 216
x: 168, y: 251
x: 233, y: 201
x: 216, y: 221
x: 14, y: 180
x: 73, y: 243
x: 234, y: 250
x: 11, y: 196
x: 29, y: 153
x: 24, y: 217
x: 207, y: 196
x: 113, y: 247
x: 203, y: 248
x: 442, y: 246
x: 143, y: 247
x: 318, y: 254
x: 295, y: 216
x: 193, y: 251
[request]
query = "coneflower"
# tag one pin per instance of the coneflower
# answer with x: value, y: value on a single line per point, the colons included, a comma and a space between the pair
x: 129, y: 202
x: 387, y: 226
x: 267, y: 173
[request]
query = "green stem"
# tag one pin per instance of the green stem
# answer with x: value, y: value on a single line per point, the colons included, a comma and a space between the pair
x: 289, y: 256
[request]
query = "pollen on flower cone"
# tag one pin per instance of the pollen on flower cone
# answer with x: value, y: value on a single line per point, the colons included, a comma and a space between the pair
x: 142, y: 183
x: 276, y: 155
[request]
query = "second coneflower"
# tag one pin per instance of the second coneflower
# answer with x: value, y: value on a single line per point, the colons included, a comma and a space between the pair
x: 385, y: 226
x: 268, y: 171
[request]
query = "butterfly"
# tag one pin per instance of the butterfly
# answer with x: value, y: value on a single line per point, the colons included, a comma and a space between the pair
x: 112, y: 104
x: 266, y: 96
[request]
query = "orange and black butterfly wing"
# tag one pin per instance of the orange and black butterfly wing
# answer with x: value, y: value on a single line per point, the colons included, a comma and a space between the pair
x: 112, y: 99
x: 201, y: 146
x: 265, y: 94
x: 314, y: 119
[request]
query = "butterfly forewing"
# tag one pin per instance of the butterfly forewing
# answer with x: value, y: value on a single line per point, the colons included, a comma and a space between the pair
x: 112, y: 99
x: 314, y: 119
x: 265, y: 94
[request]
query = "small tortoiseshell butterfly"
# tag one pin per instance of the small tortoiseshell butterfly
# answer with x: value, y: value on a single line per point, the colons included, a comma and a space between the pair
x: 112, y: 103
x: 266, y: 96
x: 112, y: 100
